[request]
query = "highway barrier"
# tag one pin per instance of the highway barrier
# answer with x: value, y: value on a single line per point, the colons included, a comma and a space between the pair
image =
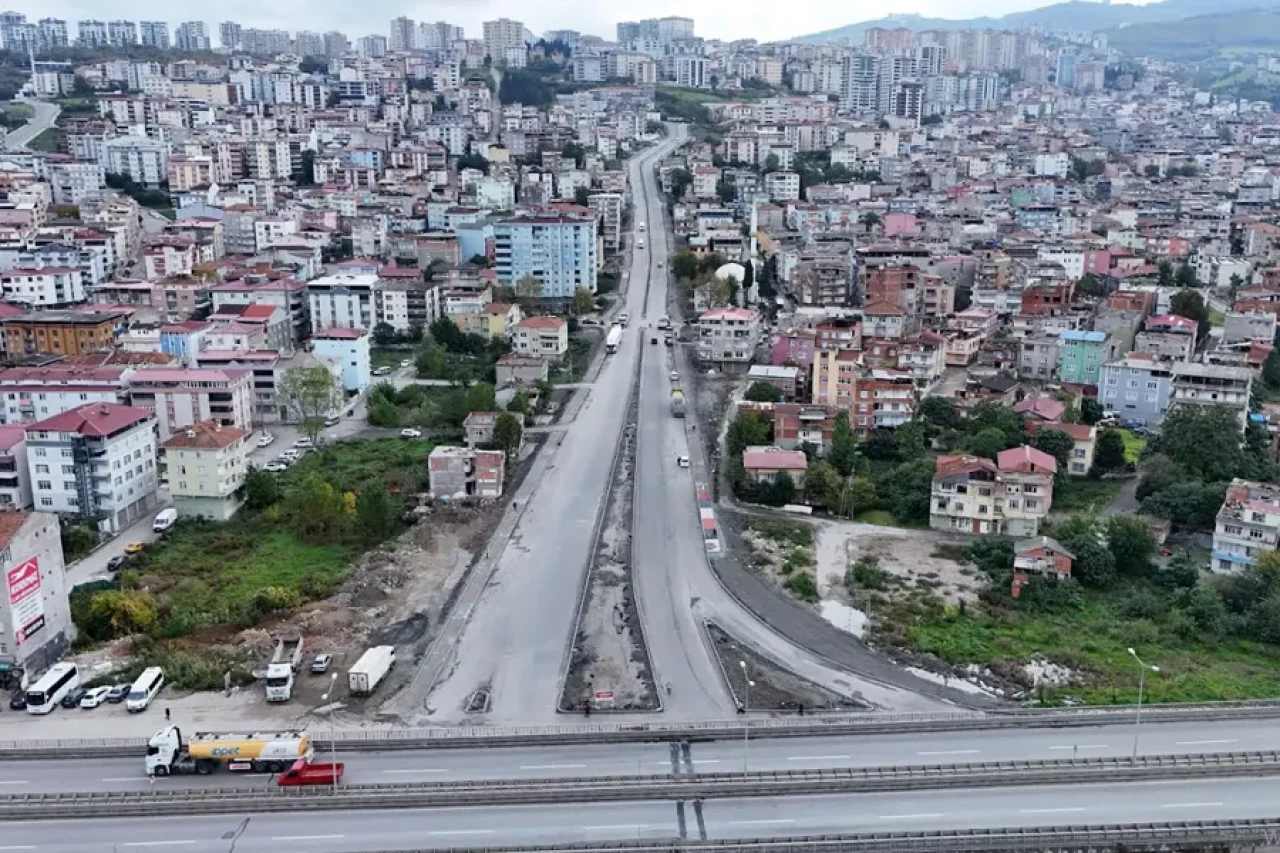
x: 391, y: 740
x: 1133, y: 838
x: 701, y: 786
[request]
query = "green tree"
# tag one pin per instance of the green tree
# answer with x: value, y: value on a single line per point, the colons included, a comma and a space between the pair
x: 261, y: 489
x: 910, y: 439
x: 481, y: 261
x: 431, y: 360
x: 481, y: 397
x: 1088, y: 285
x: 987, y: 443
x: 748, y: 429
x: 1181, y: 572
x: 382, y: 412
x: 856, y: 495
x: 316, y: 511
x: 1057, y: 444
x: 822, y: 484
x: 905, y: 490
x: 528, y: 293
x: 519, y: 403
x: 384, y: 335
x: 844, y: 445
x: 1190, y: 304
x: 311, y: 393
x: 1131, y: 543
x: 1090, y: 411
x: 763, y: 392
x: 1186, y: 276
x: 1189, y: 504
x: 681, y: 180
x: 684, y: 264
x: 375, y: 515
x: 1094, y: 565
x: 1109, y: 455
x: 507, y: 433
x: 988, y: 415
x: 782, y: 490
x: 1203, y: 441
x: 1164, y: 276
x: 939, y: 412
x: 116, y: 613
x: 583, y: 301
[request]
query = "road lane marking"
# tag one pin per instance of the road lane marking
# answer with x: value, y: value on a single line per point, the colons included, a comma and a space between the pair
x: 816, y: 757
x: 125, y: 779
x: 778, y: 821
x: 704, y: 761
x: 1052, y: 811
x: 1188, y: 805
x: 156, y: 843
x: 951, y: 752
x: 19, y: 847
x: 1204, y: 742
x: 920, y: 816
x: 14, y: 782
x: 613, y: 826
x: 305, y: 837
x: 423, y: 770
x: 1082, y: 746
x: 462, y: 832
x: 551, y: 766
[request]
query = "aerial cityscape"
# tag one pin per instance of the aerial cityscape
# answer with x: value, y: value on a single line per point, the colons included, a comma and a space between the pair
x: 499, y: 439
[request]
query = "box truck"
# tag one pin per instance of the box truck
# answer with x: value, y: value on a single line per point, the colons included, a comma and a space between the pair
x: 612, y: 340
x: 368, y: 672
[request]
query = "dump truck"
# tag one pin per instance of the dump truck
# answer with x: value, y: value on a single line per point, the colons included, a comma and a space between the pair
x: 677, y: 403
x: 612, y: 340
x: 368, y: 672
x: 305, y: 773
x: 283, y: 667
x: 204, y: 752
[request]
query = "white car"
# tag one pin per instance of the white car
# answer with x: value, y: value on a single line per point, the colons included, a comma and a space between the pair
x: 95, y: 697
x: 410, y: 432
x: 675, y: 377
x: 682, y: 461
x: 405, y: 363
x: 304, y: 443
x: 275, y: 467
x: 266, y: 439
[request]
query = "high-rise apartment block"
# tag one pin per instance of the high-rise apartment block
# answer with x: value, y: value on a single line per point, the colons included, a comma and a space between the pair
x: 191, y: 35
x: 154, y: 34
x: 119, y: 33
x: 504, y: 34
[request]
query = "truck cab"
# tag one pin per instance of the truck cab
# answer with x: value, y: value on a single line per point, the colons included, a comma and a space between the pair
x: 279, y: 682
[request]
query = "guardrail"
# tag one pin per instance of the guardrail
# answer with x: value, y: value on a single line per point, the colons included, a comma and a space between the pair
x: 1135, y: 838
x: 390, y: 740
x: 702, y: 786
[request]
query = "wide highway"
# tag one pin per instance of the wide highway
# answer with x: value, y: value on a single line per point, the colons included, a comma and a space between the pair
x: 346, y: 831
x: 123, y: 774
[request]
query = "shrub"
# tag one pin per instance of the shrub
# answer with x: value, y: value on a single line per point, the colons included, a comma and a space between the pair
x: 867, y: 574
x: 803, y: 587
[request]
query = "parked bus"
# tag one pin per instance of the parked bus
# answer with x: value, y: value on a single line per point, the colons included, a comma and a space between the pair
x: 144, y: 689
x: 45, y: 694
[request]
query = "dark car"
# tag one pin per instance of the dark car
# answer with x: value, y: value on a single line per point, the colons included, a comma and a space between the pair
x: 18, y: 700
x: 115, y: 564
x: 73, y: 697
x: 118, y: 693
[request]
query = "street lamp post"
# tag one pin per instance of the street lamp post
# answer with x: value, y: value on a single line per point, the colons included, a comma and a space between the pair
x: 333, y: 736
x: 746, y: 707
x: 1142, y: 681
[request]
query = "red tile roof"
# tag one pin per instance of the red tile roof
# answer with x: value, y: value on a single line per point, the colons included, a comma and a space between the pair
x: 953, y: 466
x: 206, y: 435
x: 1027, y: 459
x: 95, y: 420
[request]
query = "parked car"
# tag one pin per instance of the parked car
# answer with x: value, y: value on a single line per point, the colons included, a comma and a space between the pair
x: 405, y: 362
x: 320, y: 665
x: 653, y: 340
x: 275, y: 467
x: 410, y: 432
x: 94, y: 697
x: 682, y: 461
x: 304, y: 443
x: 117, y: 693
x: 382, y: 371
x: 18, y: 700
x: 332, y: 420
x: 266, y: 439
x: 73, y: 697
x: 135, y: 548
x: 117, y: 563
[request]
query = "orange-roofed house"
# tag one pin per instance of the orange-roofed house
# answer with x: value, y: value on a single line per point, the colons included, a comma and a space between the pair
x: 545, y: 337
x: 1009, y: 496
x: 764, y: 464
x: 205, y: 465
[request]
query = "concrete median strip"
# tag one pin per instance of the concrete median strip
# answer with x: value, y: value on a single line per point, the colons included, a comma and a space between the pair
x: 699, y: 786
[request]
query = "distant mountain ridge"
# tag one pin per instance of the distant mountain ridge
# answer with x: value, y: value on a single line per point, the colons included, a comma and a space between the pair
x: 1071, y: 15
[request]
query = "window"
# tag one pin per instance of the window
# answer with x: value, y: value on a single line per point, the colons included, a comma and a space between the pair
x: 46, y: 502
x: 45, y: 485
x: 40, y: 452
x: 42, y: 469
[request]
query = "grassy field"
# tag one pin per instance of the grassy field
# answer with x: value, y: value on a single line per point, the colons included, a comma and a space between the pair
x: 1093, y: 641
x: 878, y: 517
x: 702, y: 96
x: 399, y: 464
x: 16, y: 114
x: 49, y: 141
x: 1133, y: 445
x: 1217, y: 318
x: 1081, y: 494
x: 389, y: 357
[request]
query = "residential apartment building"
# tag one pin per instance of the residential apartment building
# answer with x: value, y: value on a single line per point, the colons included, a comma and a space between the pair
x: 1009, y: 496
x: 345, y: 300
x: 1138, y: 387
x: 34, y: 393
x: 95, y: 462
x: 36, y: 630
x: 62, y: 332
x: 1248, y: 524
x: 1196, y: 384
x: 1167, y: 336
x: 559, y: 251
x: 205, y: 465
x: 1081, y: 356
x: 350, y: 348
x: 728, y: 335
x: 46, y: 287
x: 180, y: 398
x: 545, y: 337
x: 15, y: 480
x: 464, y: 472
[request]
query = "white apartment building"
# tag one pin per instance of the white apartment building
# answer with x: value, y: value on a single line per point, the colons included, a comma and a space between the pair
x: 182, y: 397
x: 706, y: 179
x: 728, y: 335
x: 502, y: 35
x: 344, y: 300
x: 35, y: 628
x: 266, y: 232
x: 15, y: 479
x: 205, y: 466
x: 46, y: 287
x: 544, y: 337
x: 1196, y: 384
x: 95, y: 462
x: 35, y: 393
x: 350, y: 349
x: 1052, y: 165
x: 144, y: 161
x: 72, y: 183
x: 782, y: 186
x: 1248, y: 524
x: 608, y: 207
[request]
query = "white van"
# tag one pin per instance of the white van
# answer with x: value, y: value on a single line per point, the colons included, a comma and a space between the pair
x: 165, y: 519
x: 144, y: 689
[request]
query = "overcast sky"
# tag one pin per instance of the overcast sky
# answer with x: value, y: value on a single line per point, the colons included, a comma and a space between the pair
x: 727, y: 19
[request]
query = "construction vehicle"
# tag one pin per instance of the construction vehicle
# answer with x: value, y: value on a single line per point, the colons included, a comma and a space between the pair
x: 283, y: 668
x: 204, y: 752
x: 612, y: 340
x: 304, y: 773
x: 677, y: 403
x: 368, y: 672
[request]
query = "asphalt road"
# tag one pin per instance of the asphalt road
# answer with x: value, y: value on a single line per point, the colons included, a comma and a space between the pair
x: 123, y: 774
x: 45, y: 115
x: 331, y: 832
x: 512, y: 640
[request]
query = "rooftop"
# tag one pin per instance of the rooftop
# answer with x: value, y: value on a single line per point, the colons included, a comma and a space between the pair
x: 206, y: 435
x: 94, y: 420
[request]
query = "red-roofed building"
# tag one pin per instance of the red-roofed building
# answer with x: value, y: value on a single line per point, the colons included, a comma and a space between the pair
x: 1247, y: 526
x: 764, y: 464
x: 1167, y: 336
x: 184, y: 396
x: 1009, y: 497
x: 1040, y: 409
x: 728, y: 335
x: 545, y: 337
x: 111, y: 453
x: 205, y: 466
